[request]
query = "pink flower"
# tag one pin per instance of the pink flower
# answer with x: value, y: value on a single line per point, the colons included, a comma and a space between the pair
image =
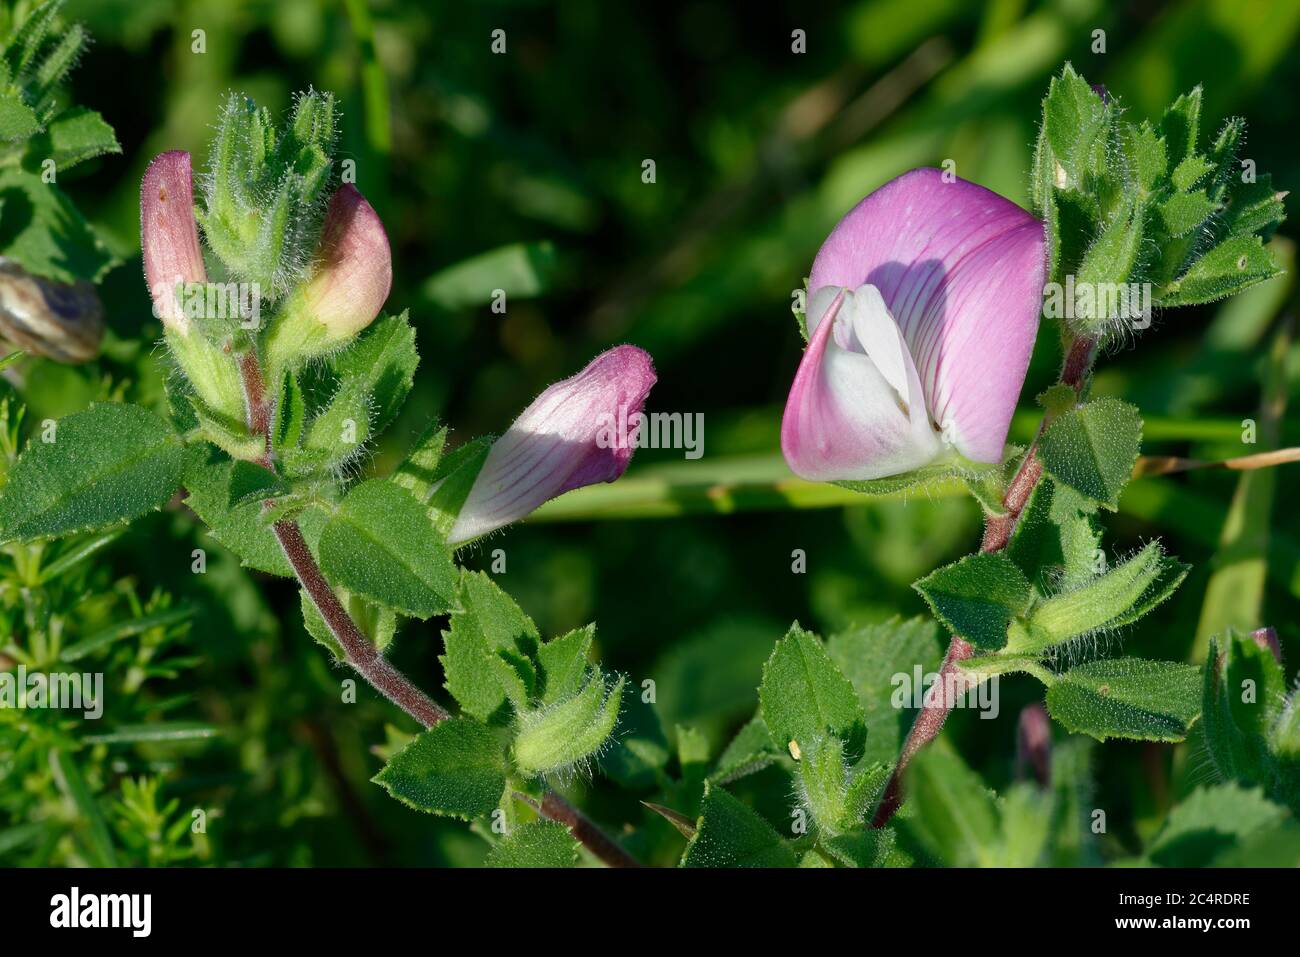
x: 169, y: 236
x: 567, y: 438
x: 922, y: 311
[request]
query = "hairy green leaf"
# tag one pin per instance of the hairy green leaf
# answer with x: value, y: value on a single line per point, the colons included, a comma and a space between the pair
x: 108, y: 464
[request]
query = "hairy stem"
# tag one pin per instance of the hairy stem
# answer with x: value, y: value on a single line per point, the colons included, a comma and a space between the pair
x: 941, y: 697
x: 365, y: 658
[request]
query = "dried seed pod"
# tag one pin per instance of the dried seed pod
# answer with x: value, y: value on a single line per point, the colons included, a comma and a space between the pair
x: 61, y: 321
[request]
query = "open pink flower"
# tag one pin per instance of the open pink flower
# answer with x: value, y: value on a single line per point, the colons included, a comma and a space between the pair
x: 570, y: 436
x: 922, y: 310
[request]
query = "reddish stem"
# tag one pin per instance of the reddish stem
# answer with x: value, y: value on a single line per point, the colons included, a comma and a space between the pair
x: 361, y: 653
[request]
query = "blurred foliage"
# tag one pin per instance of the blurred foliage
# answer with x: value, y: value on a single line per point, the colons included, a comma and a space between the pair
x: 529, y: 164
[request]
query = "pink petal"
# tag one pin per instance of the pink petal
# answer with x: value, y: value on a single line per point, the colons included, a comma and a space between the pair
x: 355, y: 273
x: 169, y: 237
x: 560, y: 442
x: 962, y: 270
x: 844, y: 418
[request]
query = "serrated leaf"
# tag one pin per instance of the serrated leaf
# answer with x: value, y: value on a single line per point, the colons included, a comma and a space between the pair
x: 382, y: 363
x: 977, y: 597
x: 1130, y: 698
x: 1183, y: 212
x: 380, y: 545
x: 1146, y: 151
x: 729, y: 834
x: 564, y: 663
x: 1235, y: 264
x: 749, y: 751
x: 17, y: 119
x: 1092, y: 449
x: 487, y: 622
x: 1035, y: 543
x: 804, y: 696
x: 455, y: 769
x: 536, y: 844
x: 1074, y: 122
x: 337, y: 434
x: 72, y: 137
x: 108, y: 464
x: 1180, y: 126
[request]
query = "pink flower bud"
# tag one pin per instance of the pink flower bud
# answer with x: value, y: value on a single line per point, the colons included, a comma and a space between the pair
x: 169, y: 237
x: 355, y: 272
x: 567, y: 438
x: 922, y: 311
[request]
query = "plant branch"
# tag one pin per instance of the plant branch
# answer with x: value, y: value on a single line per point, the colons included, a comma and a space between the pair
x: 362, y: 654
x: 941, y: 697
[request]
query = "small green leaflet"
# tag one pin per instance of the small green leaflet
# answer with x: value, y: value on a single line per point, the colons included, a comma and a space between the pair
x: 456, y: 769
x: 1128, y: 698
x: 1092, y: 449
x: 978, y: 596
x: 536, y: 844
x: 108, y: 464
x: 486, y: 623
x: 804, y: 696
x: 382, y: 362
x: 729, y: 834
x: 72, y: 137
x: 17, y: 121
x: 381, y: 546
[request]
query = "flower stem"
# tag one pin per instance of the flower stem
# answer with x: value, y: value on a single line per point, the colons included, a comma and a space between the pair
x: 941, y: 697
x: 361, y: 653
